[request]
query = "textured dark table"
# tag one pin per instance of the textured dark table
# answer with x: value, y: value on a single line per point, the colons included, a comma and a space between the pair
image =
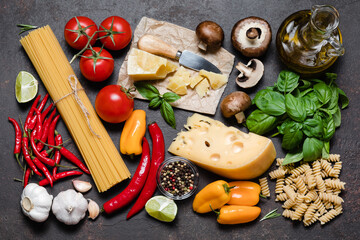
x: 188, y: 225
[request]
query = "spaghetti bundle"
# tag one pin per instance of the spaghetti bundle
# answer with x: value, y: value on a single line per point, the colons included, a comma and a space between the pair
x: 99, y: 152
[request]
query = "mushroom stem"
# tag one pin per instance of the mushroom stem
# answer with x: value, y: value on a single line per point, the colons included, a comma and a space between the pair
x: 240, y: 117
x: 244, y: 69
x: 202, y: 46
x: 253, y: 33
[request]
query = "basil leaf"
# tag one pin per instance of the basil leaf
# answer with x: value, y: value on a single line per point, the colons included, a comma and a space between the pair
x: 155, y: 102
x: 337, y: 117
x: 287, y: 81
x: 329, y: 128
x: 326, y: 150
x: 303, y: 93
x: 282, y: 127
x: 295, y: 108
x: 333, y: 103
x: 312, y: 149
x: 147, y: 90
x: 313, y: 128
x: 167, y: 113
x: 293, y: 158
x: 170, y: 97
x: 323, y: 92
x: 260, y: 122
x: 331, y: 77
x: 313, y: 98
x: 310, y: 107
x: 270, y: 102
x: 293, y: 136
x: 343, y: 98
x: 305, y: 84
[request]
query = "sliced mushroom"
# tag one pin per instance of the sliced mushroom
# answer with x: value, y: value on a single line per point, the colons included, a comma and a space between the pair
x: 235, y: 104
x: 251, y: 36
x: 210, y: 35
x: 250, y: 74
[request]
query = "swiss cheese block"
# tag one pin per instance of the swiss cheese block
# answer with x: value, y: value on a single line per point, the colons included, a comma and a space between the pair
x: 216, y: 80
x: 223, y: 150
x: 146, y: 66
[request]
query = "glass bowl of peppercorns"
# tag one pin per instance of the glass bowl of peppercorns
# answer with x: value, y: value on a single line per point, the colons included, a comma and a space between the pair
x: 177, y: 178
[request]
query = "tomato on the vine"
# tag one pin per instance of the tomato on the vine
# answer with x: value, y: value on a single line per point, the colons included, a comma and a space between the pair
x: 96, y: 64
x: 115, y: 33
x: 78, y: 30
x: 114, y: 104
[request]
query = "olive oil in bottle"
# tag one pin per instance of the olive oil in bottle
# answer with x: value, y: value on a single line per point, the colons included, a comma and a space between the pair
x: 310, y: 41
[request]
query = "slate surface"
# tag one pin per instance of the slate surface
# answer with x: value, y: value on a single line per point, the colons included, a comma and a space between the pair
x: 188, y: 225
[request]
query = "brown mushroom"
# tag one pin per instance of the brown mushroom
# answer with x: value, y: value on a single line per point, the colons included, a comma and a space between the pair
x: 210, y: 35
x: 251, y: 36
x: 235, y: 104
x: 250, y: 74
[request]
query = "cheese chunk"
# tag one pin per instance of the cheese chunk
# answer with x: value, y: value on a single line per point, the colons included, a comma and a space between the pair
x: 146, y: 66
x: 223, y: 150
x: 179, y: 82
x: 216, y: 80
x: 202, y: 88
x: 195, y: 80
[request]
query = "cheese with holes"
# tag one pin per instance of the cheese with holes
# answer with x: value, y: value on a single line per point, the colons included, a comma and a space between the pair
x: 179, y: 82
x: 142, y: 65
x: 216, y: 80
x: 223, y: 150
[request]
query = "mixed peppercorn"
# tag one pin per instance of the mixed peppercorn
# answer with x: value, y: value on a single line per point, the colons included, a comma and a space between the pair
x: 177, y: 178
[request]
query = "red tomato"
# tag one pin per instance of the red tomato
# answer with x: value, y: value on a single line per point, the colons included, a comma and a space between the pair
x: 103, y: 67
x: 114, y: 104
x: 75, y: 32
x: 111, y: 27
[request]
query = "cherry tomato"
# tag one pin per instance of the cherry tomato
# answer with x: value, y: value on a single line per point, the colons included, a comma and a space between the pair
x: 103, y: 61
x: 117, y: 29
x: 76, y: 30
x: 114, y: 104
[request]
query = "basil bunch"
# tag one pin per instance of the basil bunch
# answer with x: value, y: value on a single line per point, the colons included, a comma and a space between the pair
x: 305, y: 112
x: 157, y: 100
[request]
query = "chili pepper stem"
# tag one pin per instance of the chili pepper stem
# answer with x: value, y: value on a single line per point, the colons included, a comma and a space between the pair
x: 227, y: 189
x: 53, y: 146
x: 18, y: 160
x: 263, y: 196
x: 216, y: 212
x: 18, y: 180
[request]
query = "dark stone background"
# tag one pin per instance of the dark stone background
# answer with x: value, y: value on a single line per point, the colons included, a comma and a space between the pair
x: 188, y: 225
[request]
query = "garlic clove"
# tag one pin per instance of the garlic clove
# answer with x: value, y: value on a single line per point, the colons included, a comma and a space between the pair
x: 81, y: 186
x: 93, y: 209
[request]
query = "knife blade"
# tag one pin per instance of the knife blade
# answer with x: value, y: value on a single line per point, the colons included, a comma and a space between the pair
x: 155, y: 45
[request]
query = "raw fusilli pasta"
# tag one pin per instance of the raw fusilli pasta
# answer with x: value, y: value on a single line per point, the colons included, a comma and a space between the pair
x: 320, y: 183
x: 328, y: 197
x: 336, y: 184
x: 278, y: 173
x: 299, y: 212
x: 334, y: 158
x: 279, y: 185
x: 264, y: 187
x: 328, y: 216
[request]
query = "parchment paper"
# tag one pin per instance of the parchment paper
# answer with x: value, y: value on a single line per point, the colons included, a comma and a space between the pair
x: 182, y: 39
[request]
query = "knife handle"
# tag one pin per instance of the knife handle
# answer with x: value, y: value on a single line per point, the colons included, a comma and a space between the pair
x: 155, y: 45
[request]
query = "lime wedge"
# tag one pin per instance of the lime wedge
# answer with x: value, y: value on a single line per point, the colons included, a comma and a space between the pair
x: 26, y: 87
x: 161, y: 208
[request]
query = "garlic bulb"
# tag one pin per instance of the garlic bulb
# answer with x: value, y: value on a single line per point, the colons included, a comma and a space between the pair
x: 36, y: 202
x: 81, y: 186
x: 69, y: 207
x: 93, y: 209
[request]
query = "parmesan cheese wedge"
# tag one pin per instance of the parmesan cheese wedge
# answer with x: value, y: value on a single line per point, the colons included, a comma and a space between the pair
x: 179, y: 82
x: 202, y: 88
x: 146, y: 66
x: 216, y: 80
x: 223, y: 150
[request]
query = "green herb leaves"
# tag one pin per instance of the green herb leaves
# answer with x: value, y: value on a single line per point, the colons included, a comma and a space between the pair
x: 271, y: 214
x: 305, y: 112
x: 151, y: 93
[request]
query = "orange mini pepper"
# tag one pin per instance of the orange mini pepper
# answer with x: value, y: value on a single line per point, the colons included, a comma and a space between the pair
x: 244, y: 193
x: 214, y: 195
x: 234, y: 214
x: 133, y: 133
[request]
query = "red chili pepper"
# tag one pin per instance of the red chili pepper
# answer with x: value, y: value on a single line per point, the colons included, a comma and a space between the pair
x: 43, y: 102
x: 42, y: 158
x: 50, y: 138
x: 57, y: 156
x: 46, y: 111
x: 42, y: 167
x: 136, y: 184
x: 25, y: 146
x: 157, y: 156
x: 30, y: 114
x: 38, y: 126
x: 61, y: 175
x: 45, y: 131
x: 17, y: 148
x: 27, y: 176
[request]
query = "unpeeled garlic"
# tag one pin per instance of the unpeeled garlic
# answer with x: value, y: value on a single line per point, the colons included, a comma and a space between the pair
x: 81, y: 186
x: 93, y: 209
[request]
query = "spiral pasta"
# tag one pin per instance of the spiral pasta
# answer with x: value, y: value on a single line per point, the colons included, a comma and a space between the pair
x: 328, y: 197
x: 328, y: 216
x: 278, y: 173
x: 334, y: 158
x: 290, y: 192
x: 310, y: 212
x: 316, y: 168
x: 320, y: 183
x: 279, y: 187
x: 319, y: 205
x: 326, y: 166
x: 336, y: 184
x: 264, y: 187
x: 288, y: 213
x: 312, y: 220
x: 300, y: 184
x: 299, y: 212
x: 310, y: 196
x: 281, y: 197
x: 299, y: 170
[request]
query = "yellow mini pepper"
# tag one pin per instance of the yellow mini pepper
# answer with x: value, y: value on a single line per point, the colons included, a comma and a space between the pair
x: 215, y: 195
x: 244, y: 193
x: 133, y: 133
x: 234, y: 214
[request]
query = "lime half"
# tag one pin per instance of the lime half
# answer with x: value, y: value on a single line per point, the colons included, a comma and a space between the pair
x: 26, y: 87
x: 161, y: 208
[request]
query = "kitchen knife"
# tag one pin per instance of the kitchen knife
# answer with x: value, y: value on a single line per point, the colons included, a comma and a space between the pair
x: 155, y: 45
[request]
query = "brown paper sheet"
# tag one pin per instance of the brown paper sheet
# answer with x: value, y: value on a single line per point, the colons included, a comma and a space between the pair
x: 182, y: 39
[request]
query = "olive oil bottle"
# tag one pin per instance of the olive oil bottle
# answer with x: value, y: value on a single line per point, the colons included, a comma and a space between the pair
x: 309, y: 41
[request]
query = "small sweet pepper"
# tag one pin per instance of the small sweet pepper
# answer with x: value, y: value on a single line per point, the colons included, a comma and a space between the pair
x: 234, y: 214
x: 244, y: 193
x: 133, y: 133
x: 215, y: 195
